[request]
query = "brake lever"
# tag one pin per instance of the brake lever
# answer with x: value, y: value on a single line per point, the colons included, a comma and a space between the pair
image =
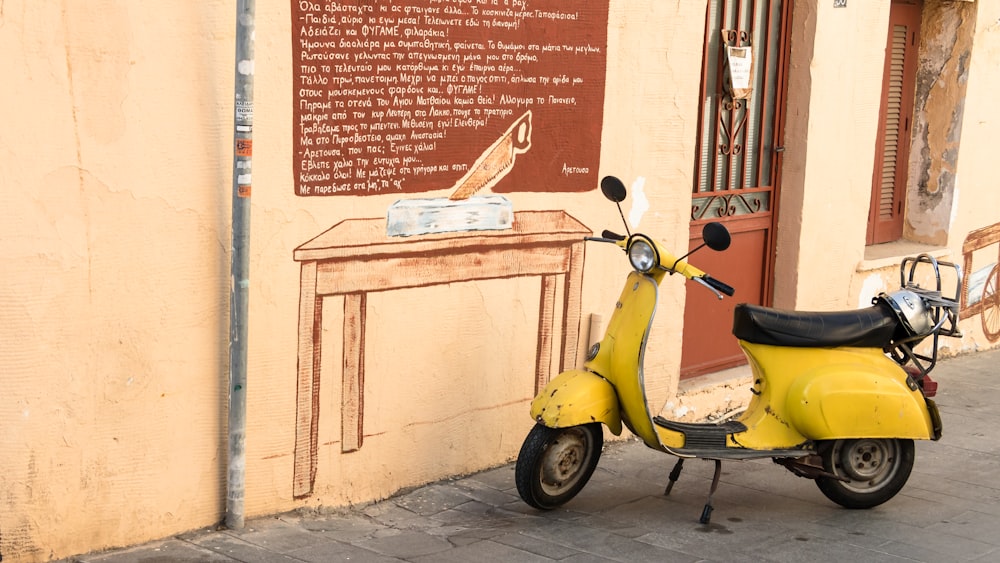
x: 710, y: 288
x: 607, y: 236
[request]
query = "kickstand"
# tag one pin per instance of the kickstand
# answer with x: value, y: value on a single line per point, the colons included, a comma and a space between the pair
x: 674, y: 474
x: 706, y: 513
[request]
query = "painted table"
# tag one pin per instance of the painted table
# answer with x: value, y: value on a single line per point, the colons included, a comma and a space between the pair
x: 356, y: 257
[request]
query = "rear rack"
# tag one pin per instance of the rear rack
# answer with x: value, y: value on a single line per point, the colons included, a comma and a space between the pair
x: 944, y: 312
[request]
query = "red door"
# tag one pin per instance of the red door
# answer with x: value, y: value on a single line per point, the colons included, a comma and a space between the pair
x: 740, y: 127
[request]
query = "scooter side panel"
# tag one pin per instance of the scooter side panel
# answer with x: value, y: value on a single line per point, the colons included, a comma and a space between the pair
x: 843, y: 401
x: 828, y: 393
x: 577, y: 397
x: 766, y: 418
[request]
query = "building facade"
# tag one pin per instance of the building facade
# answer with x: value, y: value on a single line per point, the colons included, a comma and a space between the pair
x: 420, y: 176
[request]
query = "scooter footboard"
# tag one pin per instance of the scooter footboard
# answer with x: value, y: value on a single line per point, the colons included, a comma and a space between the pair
x: 577, y: 397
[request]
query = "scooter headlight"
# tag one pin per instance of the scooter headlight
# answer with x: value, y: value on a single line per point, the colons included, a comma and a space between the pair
x: 642, y: 255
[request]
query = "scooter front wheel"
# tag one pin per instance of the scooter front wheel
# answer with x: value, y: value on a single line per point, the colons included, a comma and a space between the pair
x: 555, y: 463
x: 872, y: 470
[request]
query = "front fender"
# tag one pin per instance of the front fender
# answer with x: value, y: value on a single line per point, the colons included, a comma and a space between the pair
x: 577, y: 397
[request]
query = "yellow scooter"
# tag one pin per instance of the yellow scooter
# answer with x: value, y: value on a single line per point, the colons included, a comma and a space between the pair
x: 838, y: 397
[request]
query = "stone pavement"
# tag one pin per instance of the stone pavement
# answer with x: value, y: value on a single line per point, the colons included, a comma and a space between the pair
x: 948, y: 511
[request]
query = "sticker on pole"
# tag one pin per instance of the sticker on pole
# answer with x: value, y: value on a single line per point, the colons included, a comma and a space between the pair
x: 244, y: 147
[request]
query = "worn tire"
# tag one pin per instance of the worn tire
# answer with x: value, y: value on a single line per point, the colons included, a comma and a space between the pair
x: 875, y: 468
x: 555, y: 463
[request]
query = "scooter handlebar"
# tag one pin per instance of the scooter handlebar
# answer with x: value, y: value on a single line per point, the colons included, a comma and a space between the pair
x: 677, y: 266
x: 607, y: 236
x: 719, y: 285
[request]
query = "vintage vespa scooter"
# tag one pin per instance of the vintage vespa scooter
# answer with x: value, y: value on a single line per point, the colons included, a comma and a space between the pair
x: 838, y: 397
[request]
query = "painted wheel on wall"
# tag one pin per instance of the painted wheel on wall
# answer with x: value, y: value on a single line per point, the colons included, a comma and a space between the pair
x: 871, y: 470
x: 991, y: 305
x: 555, y: 463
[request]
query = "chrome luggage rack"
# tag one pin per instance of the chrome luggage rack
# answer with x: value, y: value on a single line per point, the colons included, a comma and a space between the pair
x: 943, y: 311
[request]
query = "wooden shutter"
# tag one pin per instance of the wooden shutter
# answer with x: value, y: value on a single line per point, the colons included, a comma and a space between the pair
x: 892, y: 150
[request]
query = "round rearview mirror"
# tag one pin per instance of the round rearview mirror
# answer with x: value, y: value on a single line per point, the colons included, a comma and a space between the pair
x: 716, y: 236
x: 613, y: 189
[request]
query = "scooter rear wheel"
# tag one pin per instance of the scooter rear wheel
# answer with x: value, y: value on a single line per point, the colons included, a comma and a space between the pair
x: 875, y: 470
x: 555, y: 463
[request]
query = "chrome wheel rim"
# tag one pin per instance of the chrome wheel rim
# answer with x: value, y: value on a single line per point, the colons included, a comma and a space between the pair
x: 868, y: 464
x: 564, y: 461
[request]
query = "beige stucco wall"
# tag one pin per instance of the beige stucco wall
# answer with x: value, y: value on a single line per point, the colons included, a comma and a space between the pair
x: 115, y: 164
x: 833, y: 103
x: 978, y: 197
x: 114, y: 232
x: 976, y: 200
x: 115, y: 159
x: 962, y: 41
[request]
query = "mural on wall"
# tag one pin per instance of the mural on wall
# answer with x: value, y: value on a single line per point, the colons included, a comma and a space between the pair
x: 397, y: 97
x: 981, y: 285
x: 481, y: 98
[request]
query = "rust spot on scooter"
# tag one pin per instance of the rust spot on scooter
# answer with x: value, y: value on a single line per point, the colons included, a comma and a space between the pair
x: 774, y: 415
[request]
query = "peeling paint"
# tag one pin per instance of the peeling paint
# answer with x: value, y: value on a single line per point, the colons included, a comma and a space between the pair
x: 640, y: 203
x: 872, y: 286
x: 770, y: 412
x: 939, y: 109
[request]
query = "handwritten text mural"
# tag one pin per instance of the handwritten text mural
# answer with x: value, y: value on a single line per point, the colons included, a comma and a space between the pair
x: 415, y: 95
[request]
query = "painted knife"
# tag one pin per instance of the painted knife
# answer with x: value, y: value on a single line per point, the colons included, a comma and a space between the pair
x: 497, y: 160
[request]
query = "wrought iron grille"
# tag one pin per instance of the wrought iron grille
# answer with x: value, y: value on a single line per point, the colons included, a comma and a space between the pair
x: 735, y: 160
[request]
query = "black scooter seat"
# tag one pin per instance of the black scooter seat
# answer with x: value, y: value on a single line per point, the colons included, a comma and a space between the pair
x: 872, y: 327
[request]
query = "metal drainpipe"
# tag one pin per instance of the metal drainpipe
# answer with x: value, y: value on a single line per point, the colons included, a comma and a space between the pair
x: 240, y: 262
